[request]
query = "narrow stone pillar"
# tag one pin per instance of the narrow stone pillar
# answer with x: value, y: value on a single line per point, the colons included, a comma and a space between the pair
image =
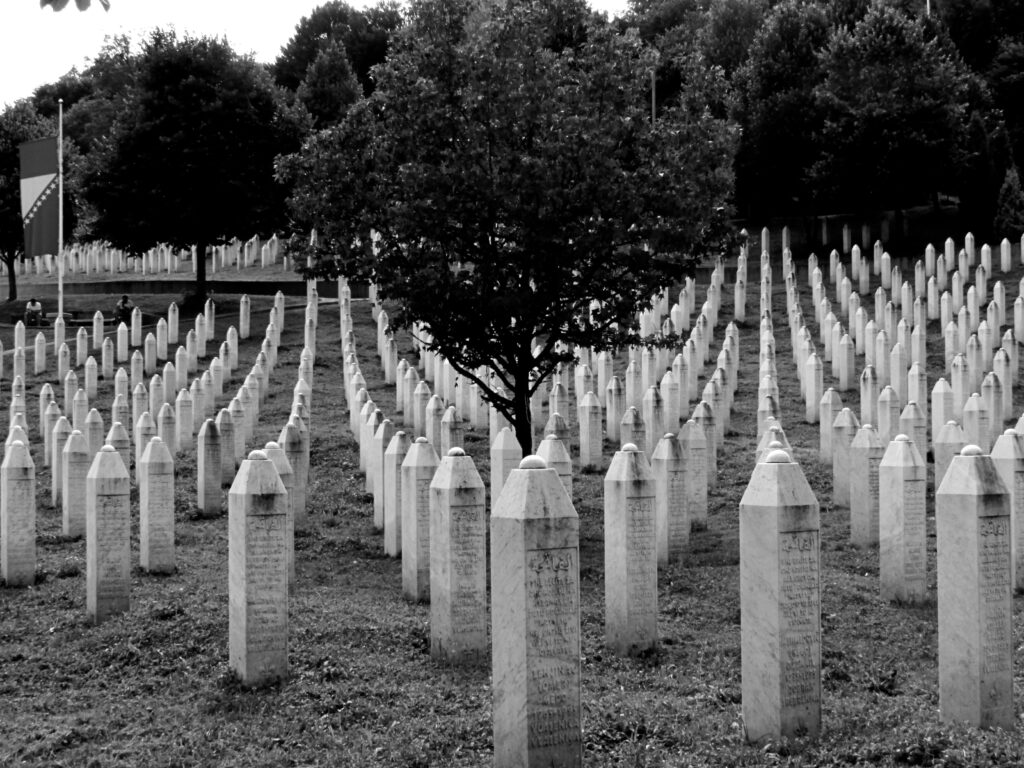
x: 107, y: 537
x: 184, y: 421
x: 591, y: 435
x: 258, y: 573
x: 418, y: 470
x: 226, y: 430
x: 973, y: 535
x: 829, y: 407
x: 902, y: 528
x: 671, y: 510
x: 208, y: 469
x: 156, y: 508
x: 866, y: 453
x: 458, y: 578
x: 118, y: 438
x: 296, y: 449
x: 94, y: 432
x: 76, y: 459
x: 844, y: 429
x: 780, y: 602
x: 535, y: 622
x: 556, y: 456
x: 18, y: 517
x: 375, y: 466
x: 394, y: 455
x: 506, y: 454
x: 58, y: 437
x: 630, y: 554
x: 615, y: 407
x: 285, y: 471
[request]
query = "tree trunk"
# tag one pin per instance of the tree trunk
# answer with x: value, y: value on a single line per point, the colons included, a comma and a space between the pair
x: 521, y: 415
x: 12, y: 280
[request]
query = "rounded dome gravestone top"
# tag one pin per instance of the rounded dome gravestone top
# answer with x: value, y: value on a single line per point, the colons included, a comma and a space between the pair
x: 971, y: 450
x: 258, y: 455
x: 778, y: 456
x: 110, y: 448
x: 902, y: 439
x: 455, y: 451
x: 421, y: 439
x: 533, y: 462
x: 630, y: 447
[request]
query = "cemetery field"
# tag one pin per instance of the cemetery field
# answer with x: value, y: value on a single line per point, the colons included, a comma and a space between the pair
x: 152, y: 687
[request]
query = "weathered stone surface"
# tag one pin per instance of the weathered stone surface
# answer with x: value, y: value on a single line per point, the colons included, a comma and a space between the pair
x: 535, y: 622
x: 630, y: 554
x: 258, y: 573
x: 18, y: 517
x: 418, y: 470
x: 780, y: 602
x: 156, y: 508
x: 903, y: 552
x: 107, y: 537
x: 458, y: 562
x: 973, y: 535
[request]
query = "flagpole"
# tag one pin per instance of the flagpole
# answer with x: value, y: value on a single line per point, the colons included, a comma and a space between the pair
x: 60, y: 208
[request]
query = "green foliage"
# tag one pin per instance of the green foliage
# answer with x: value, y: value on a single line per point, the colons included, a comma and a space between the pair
x: 363, y: 34
x: 329, y: 87
x: 896, y: 103
x: 1009, y: 220
x: 189, y: 160
x: 512, y: 187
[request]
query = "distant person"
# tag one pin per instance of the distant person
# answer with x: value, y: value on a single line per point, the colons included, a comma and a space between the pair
x: 33, y: 312
x: 123, y: 310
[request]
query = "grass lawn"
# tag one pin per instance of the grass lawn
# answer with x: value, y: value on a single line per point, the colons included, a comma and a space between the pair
x: 152, y: 688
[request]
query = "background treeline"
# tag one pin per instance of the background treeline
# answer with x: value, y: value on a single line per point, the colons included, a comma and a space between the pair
x: 842, y: 107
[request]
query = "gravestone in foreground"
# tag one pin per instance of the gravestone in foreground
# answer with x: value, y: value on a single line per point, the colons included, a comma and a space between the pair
x: 107, y: 536
x: 630, y: 554
x: 780, y: 602
x: 18, y: 517
x: 458, y: 562
x: 535, y: 621
x: 257, y: 573
x: 976, y: 644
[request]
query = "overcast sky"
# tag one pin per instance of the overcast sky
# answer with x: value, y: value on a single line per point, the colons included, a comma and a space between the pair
x: 38, y: 46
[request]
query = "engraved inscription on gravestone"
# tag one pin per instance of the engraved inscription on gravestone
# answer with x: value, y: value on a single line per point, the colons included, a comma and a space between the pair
x: 553, y: 645
x: 798, y: 610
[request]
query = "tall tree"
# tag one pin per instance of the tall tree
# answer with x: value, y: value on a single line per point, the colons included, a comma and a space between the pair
x: 363, y: 35
x: 519, y: 200
x: 190, y: 159
x: 897, y: 104
x: 775, y: 104
x: 19, y: 123
x: 329, y: 87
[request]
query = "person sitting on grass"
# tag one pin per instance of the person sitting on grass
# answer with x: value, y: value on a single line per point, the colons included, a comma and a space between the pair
x: 33, y: 312
x: 123, y: 310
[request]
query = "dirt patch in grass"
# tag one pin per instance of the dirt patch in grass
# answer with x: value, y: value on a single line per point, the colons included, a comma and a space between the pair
x: 152, y: 687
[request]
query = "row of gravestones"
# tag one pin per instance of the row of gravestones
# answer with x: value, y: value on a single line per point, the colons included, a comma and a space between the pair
x: 779, y: 551
x: 75, y: 460
x: 432, y: 512
x: 99, y: 258
x: 780, y: 587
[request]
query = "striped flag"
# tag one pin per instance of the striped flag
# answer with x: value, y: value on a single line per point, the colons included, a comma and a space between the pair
x: 39, y: 204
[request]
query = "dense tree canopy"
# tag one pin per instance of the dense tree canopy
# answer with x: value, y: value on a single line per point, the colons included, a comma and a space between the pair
x: 189, y: 160
x: 362, y: 34
x: 513, y: 186
x: 895, y: 103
